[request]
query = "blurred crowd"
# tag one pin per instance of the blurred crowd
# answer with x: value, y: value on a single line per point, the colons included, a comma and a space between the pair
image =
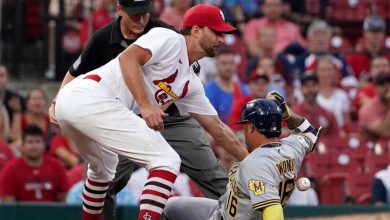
x: 329, y: 59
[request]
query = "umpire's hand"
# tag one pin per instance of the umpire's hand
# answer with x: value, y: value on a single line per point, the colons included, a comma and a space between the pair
x: 153, y: 117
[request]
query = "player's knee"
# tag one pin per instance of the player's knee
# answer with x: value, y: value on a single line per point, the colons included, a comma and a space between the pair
x: 174, y: 163
x: 170, y: 161
x: 101, y: 175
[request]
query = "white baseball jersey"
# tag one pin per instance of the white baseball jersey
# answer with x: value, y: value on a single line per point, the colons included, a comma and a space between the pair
x: 265, y: 177
x: 167, y: 75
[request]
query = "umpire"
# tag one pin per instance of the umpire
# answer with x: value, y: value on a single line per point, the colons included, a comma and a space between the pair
x: 183, y: 133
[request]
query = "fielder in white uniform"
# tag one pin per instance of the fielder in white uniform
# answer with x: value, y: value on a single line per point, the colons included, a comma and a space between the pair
x: 98, y: 110
x: 260, y: 185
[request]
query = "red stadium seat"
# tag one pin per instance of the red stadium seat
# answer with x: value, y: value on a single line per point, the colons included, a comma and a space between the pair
x: 374, y: 162
x: 357, y: 185
x: 331, y: 188
x: 317, y: 165
x: 364, y: 199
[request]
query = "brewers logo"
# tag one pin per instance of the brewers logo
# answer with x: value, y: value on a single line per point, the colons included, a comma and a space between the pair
x: 257, y: 186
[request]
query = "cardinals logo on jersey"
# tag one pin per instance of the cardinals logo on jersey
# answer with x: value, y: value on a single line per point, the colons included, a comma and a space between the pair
x: 257, y: 186
x: 162, y: 95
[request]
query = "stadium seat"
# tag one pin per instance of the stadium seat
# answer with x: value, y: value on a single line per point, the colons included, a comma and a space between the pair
x: 357, y: 185
x: 364, y: 199
x: 374, y: 162
x: 317, y: 165
x: 331, y: 188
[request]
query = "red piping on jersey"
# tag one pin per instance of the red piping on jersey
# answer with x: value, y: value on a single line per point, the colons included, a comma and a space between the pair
x: 94, y: 77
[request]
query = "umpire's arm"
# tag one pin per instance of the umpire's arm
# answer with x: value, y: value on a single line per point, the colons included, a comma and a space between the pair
x: 222, y: 134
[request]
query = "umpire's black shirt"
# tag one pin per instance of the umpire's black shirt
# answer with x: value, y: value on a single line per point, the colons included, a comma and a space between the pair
x: 106, y: 44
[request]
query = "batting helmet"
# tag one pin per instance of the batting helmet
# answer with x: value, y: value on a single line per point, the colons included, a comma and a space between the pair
x: 265, y: 115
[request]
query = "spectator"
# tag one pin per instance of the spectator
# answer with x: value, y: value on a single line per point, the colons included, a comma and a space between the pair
x: 286, y: 32
x: 374, y: 116
x: 380, y: 190
x: 241, y: 11
x: 312, y: 111
x: 34, y: 177
x: 100, y: 17
x: 319, y: 35
x: 258, y: 88
x: 374, y: 29
x: 277, y: 83
x: 36, y: 104
x: 174, y: 14
x: 11, y: 99
x: 379, y: 65
x: 265, y: 44
x: 329, y: 96
x: 225, y: 87
x: 6, y: 153
x: 63, y: 148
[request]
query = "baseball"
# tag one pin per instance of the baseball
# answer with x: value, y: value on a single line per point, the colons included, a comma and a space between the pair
x: 303, y: 184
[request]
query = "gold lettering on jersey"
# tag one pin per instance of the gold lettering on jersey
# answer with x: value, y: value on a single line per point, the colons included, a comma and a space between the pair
x: 233, y: 179
x: 167, y: 89
x: 286, y: 166
x: 257, y: 186
x: 165, y: 86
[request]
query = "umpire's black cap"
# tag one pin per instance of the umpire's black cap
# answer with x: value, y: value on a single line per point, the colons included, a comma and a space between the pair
x: 133, y: 7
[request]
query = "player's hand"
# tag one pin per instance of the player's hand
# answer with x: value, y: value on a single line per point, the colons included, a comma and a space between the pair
x: 286, y: 112
x: 52, y: 114
x: 153, y: 117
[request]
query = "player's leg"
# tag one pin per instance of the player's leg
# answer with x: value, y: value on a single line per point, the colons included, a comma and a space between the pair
x: 119, y: 130
x: 101, y: 170
x: 124, y: 169
x: 188, y: 139
x: 101, y: 161
x: 189, y: 208
x: 128, y: 135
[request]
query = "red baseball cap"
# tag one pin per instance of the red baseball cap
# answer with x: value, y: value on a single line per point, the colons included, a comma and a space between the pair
x: 207, y: 15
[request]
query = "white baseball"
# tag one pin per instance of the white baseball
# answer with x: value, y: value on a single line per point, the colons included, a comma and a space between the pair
x: 303, y: 184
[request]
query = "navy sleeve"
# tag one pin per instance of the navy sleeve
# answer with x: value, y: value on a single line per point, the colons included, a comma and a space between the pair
x: 378, y: 191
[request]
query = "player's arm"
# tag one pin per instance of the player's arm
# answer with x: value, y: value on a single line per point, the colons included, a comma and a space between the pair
x: 130, y: 61
x: 273, y: 212
x: 222, y: 134
x: 295, y: 122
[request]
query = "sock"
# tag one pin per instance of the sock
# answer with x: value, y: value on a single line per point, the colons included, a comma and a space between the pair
x: 94, y: 194
x: 155, y: 194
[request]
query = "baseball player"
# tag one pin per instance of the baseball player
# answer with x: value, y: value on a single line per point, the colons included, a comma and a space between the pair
x: 185, y: 135
x: 260, y: 185
x: 98, y: 110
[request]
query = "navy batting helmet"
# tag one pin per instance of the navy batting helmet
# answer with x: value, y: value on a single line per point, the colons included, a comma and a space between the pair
x: 265, y: 115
